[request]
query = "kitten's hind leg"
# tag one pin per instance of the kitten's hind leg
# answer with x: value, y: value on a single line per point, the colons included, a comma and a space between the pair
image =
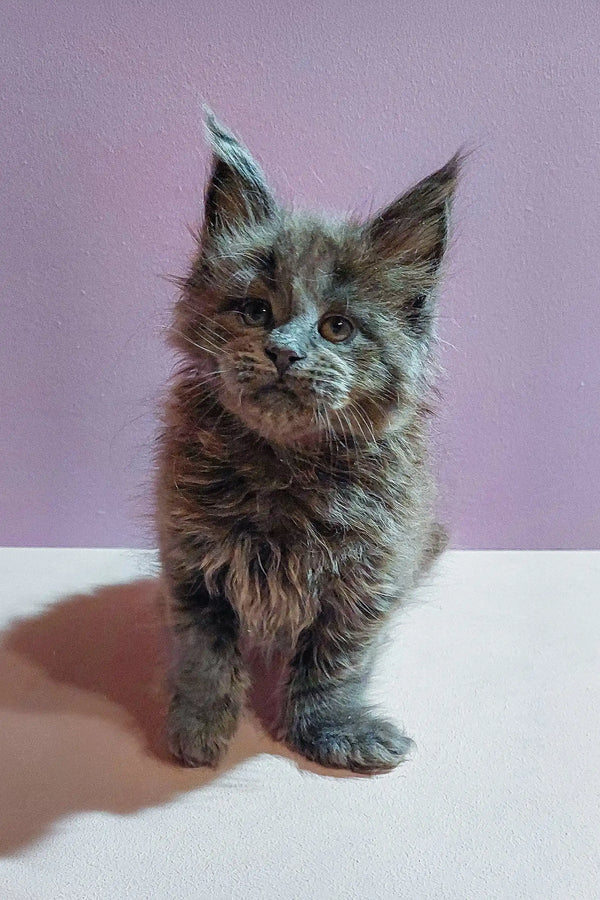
x: 326, y: 718
x: 208, y: 680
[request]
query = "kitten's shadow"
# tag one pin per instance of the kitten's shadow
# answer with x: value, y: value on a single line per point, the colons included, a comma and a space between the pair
x: 82, y: 707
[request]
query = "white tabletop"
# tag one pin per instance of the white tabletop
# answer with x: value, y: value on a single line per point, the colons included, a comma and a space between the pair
x: 494, y: 672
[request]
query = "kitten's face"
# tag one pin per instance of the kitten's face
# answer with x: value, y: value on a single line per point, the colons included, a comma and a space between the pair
x: 307, y: 328
x: 301, y: 346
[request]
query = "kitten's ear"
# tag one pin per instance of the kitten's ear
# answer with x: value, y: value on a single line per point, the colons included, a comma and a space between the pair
x: 237, y: 192
x: 414, y: 228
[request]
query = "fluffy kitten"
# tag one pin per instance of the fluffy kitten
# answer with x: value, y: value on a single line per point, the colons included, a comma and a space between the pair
x: 294, y: 502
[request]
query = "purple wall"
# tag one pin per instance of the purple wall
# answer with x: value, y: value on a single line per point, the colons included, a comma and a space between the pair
x: 344, y: 104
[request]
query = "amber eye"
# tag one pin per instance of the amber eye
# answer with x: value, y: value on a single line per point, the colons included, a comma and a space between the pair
x: 336, y: 329
x: 256, y: 312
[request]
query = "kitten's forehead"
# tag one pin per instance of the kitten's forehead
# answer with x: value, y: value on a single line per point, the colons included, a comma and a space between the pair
x: 311, y: 245
x: 308, y: 255
x: 300, y: 261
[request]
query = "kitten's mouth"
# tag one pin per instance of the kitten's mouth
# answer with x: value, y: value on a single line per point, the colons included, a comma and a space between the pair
x: 276, y: 388
x: 278, y: 412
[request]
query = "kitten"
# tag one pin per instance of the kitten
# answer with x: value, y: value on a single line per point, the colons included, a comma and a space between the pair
x: 294, y: 502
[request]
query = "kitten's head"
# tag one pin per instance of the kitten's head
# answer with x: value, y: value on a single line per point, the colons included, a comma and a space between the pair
x: 304, y: 327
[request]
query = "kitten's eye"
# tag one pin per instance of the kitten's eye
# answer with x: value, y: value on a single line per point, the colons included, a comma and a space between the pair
x: 336, y: 329
x: 256, y: 312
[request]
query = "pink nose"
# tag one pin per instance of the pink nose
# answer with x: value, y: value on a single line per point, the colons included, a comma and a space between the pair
x: 282, y: 357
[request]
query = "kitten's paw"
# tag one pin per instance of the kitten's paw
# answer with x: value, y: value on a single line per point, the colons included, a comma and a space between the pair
x: 361, y: 743
x: 192, y: 739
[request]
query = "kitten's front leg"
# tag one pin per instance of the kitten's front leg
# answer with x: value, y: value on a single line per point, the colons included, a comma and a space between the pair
x: 326, y: 718
x: 208, y: 679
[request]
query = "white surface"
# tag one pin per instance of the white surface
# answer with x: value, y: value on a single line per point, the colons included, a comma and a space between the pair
x: 495, y: 673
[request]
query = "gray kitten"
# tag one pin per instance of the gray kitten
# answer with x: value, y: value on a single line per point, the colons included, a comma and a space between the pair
x: 294, y: 501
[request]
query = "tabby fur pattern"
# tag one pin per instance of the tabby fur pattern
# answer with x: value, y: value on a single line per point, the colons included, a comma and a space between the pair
x: 294, y: 501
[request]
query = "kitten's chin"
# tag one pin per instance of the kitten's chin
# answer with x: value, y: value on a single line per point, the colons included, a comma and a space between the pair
x: 274, y: 412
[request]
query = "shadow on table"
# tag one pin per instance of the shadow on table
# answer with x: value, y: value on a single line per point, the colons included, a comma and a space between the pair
x: 82, y: 709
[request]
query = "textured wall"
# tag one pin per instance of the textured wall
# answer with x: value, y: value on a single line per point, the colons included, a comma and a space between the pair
x: 344, y: 103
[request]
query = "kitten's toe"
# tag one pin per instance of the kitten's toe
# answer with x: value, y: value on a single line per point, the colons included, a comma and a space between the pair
x: 194, y: 750
x: 362, y: 743
x: 192, y: 739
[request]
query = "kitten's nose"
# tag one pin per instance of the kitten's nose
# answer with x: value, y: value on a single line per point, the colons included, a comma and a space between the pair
x: 282, y: 357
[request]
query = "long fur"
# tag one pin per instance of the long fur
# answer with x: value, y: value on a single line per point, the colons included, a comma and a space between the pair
x: 297, y: 513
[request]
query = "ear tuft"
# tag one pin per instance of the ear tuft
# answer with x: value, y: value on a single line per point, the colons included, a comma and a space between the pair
x: 237, y: 193
x: 414, y: 228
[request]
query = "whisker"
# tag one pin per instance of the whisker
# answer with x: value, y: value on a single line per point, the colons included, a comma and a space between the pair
x: 193, y: 343
x: 183, y: 302
x: 207, y: 337
x: 355, y: 408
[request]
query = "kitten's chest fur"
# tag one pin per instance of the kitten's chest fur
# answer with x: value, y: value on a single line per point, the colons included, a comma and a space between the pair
x: 278, y: 534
